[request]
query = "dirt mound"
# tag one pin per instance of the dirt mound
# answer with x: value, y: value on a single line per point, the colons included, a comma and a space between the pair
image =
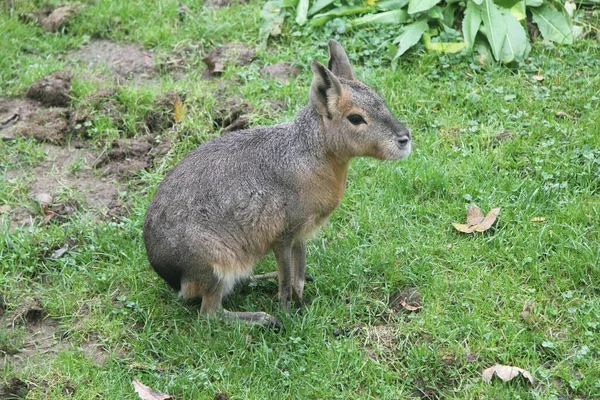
x: 52, y: 90
x: 223, y: 3
x: 232, y: 114
x: 128, y: 156
x: 124, y: 61
x: 230, y: 53
x: 52, y: 17
x: 281, y: 72
x: 42, y: 337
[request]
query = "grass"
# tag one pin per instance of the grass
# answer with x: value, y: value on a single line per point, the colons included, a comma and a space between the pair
x: 485, y: 134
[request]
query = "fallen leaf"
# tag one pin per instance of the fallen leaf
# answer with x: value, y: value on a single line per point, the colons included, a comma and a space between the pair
x: 538, y: 78
x: 46, y: 213
x: 562, y: 114
x: 482, y: 59
x: 527, y: 313
x: 538, y: 219
x: 474, y: 215
x: 476, y: 222
x: 488, y: 221
x: 408, y: 307
x: 147, y: 393
x: 178, y: 109
x: 60, y: 252
x: 44, y: 198
x: 505, y: 372
x: 408, y: 299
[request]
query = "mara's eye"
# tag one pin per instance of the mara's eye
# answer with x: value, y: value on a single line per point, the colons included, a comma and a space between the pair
x: 356, y: 119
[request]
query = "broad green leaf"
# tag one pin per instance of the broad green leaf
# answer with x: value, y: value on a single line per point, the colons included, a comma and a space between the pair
x: 482, y: 47
x: 391, y: 4
x: 410, y: 36
x: 435, y: 13
x: 516, y: 45
x: 471, y: 23
x: 319, y: 5
x: 506, y: 3
x: 449, y: 14
x: 301, y: 12
x: 415, y: 6
x: 392, y: 17
x: 272, y: 16
x: 443, y: 47
x: 321, y: 19
x: 494, y: 27
x: 555, y: 25
x: 534, y: 3
x: 518, y: 11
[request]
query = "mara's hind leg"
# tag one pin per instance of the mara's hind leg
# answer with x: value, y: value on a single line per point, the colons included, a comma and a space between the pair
x: 212, y: 298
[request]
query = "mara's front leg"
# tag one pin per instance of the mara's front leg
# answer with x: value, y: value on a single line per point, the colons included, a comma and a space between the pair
x: 299, y: 266
x: 283, y: 256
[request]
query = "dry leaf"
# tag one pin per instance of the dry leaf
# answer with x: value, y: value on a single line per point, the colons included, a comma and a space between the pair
x: 538, y: 219
x: 488, y: 221
x: 46, y: 213
x: 409, y: 307
x: 44, y: 198
x: 538, y: 78
x: 527, y: 313
x: 476, y: 222
x: 562, y: 114
x: 147, y: 393
x: 505, y: 372
x: 474, y: 215
x: 178, y: 109
x: 60, y: 252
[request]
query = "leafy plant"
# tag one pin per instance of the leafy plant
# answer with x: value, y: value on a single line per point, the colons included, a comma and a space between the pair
x: 494, y: 28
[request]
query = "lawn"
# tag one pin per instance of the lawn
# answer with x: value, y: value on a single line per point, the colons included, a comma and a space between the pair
x: 402, y: 305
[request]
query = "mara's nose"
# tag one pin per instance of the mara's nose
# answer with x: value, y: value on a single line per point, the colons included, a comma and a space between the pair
x: 404, y: 140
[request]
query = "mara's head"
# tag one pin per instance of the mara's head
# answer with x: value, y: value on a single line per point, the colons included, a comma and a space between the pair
x: 356, y: 120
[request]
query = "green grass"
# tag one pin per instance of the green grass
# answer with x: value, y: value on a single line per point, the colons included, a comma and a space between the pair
x: 392, y: 230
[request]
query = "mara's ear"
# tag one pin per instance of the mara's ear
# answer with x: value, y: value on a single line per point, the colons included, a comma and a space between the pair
x: 325, y: 89
x: 339, y: 63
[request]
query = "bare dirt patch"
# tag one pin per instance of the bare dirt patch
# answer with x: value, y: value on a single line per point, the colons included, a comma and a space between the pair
x: 128, y: 156
x: 124, y: 61
x: 406, y: 300
x: 281, y: 72
x: 14, y: 389
x: 230, y: 53
x: 42, y: 336
x: 53, y: 17
x: 223, y: 3
x: 28, y: 118
x: 232, y: 114
x: 52, y: 90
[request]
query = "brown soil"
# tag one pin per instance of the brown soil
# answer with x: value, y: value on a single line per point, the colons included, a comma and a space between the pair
x: 406, y: 300
x: 128, y: 156
x: 28, y: 118
x: 230, y: 53
x: 42, y: 336
x: 281, y: 72
x: 53, y: 18
x: 223, y: 3
x: 52, y: 90
x: 124, y: 61
x: 14, y: 389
